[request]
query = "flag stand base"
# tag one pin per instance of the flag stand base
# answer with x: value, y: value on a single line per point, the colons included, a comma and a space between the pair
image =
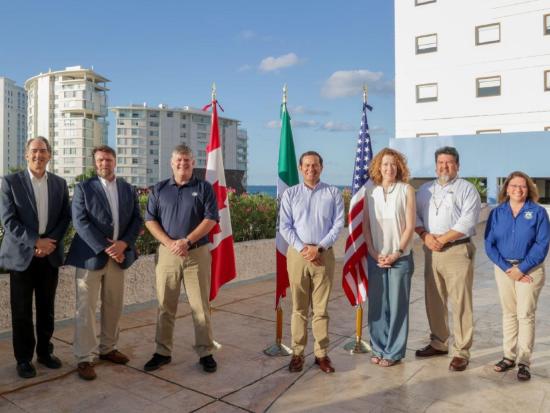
x: 357, y: 346
x: 278, y: 350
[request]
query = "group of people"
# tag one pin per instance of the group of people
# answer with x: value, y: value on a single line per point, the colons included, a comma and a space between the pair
x: 444, y: 213
x: 35, y: 212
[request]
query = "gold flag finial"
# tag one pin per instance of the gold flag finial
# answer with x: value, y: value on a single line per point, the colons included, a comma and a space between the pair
x: 365, y: 93
x: 285, y: 91
x: 213, y: 91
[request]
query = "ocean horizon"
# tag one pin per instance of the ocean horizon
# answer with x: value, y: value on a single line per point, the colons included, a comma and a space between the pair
x: 271, y: 190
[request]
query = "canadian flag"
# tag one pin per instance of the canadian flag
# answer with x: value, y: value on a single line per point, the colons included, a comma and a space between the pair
x: 221, y: 248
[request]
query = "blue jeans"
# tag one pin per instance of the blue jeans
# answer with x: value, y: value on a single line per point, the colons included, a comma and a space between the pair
x: 389, y: 293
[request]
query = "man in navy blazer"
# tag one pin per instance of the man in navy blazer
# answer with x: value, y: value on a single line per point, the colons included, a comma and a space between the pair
x: 35, y: 214
x: 107, y: 220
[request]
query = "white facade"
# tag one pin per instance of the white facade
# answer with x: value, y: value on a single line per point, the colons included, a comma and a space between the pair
x: 69, y: 107
x: 13, y: 125
x: 145, y: 137
x: 470, y: 66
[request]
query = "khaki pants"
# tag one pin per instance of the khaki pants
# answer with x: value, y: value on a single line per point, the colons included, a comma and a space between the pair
x: 194, y: 272
x: 449, y: 276
x: 519, y: 303
x: 310, y: 285
x: 110, y: 280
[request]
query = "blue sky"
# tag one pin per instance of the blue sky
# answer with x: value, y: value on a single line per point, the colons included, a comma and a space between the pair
x: 171, y: 51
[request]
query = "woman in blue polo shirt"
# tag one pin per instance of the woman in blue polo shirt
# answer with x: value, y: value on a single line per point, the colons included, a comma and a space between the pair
x: 516, y: 240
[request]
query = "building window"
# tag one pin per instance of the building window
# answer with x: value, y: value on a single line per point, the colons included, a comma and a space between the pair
x: 488, y: 86
x: 547, y: 80
x: 427, y: 134
x: 426, y: 43
x: 426, y: 93
x: 488, y: 33
x: 484, y: 131
x: 422, y: 2
x: 546, y: 21
x: 169, y: 114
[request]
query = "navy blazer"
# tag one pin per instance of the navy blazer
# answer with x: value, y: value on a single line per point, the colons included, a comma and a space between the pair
x: 19, y: 218
x: 94, y: 224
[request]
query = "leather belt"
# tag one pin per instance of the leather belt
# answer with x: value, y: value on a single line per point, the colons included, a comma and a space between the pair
x: 513, y: 262
x: 457, y: 242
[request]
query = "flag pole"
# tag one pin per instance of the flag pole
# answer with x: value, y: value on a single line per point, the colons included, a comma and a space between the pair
x: 278, y: 348
x: 358, y: 345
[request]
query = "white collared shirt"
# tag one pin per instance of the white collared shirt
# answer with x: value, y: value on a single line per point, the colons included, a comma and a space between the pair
x: 440, y: 208
x: 40, y: 189
x: 111, y: 191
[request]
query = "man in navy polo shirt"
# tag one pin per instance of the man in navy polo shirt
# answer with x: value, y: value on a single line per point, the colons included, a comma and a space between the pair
x: 180, y: 213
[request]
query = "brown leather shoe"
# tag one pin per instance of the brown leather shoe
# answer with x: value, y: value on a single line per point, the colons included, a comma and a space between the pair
x: 429, y: 351
x: 115, y: 356
x: 86, y: 371
x: 296, y: 364
x: 458, y: 364
x: 324, y: 364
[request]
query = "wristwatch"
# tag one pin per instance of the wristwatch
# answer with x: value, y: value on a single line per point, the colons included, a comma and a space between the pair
x: 400, y: 251
x: 321, y: 250
x: 188, y: 241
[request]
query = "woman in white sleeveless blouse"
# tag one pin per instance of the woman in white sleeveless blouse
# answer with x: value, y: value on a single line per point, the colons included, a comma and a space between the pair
x: 389, y: 221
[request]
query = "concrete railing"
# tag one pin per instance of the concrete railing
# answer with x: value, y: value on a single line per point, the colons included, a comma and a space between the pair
x: 254, y: 259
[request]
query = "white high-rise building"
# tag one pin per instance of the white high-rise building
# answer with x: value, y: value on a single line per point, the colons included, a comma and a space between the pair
x: 145, y: 137
x: 13, y: 125
x: 471, y: 67
x: 69, y: 107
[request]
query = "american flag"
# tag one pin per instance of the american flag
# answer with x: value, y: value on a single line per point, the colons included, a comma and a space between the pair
x: 354, y: 273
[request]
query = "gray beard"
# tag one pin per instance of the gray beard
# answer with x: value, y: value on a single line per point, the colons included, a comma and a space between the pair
x: 444, y: 179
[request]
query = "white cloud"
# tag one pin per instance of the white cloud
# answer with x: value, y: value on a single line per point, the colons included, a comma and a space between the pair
x: 302, y: 110
x: 332, y: 126
x: 296, y: 123
x: 244, y: 68
x: 350, y: 82
x: 247, y: 34
x: 273, y: 124
x: 271, y: 63
x: 378, y: 130
x: 304, y: 123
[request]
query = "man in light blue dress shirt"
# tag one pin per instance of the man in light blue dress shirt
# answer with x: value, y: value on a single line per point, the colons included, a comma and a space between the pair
x: 310, y: 219
x: 447, y: 213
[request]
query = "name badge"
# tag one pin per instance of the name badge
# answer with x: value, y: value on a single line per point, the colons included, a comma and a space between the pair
x: 528, y: 215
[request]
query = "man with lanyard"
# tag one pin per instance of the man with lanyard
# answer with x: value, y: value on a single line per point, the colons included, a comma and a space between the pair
x: 181, y: 211
x: 311, y: 217
x: 447, y: 213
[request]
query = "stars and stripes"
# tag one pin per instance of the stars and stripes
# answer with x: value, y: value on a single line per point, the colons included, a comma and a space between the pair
x: 354, y: 273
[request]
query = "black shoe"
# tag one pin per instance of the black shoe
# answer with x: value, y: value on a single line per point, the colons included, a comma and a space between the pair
x: 26, y: 370
x: 50, y: 361
x: 157, y: 361
x: 208, y: 364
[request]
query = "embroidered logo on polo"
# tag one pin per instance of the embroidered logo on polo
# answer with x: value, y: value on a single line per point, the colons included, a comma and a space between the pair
x: 528, y: 215
x: 194, y: 193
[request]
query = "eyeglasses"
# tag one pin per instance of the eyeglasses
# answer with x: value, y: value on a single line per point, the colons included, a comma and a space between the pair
x: 517, y: 186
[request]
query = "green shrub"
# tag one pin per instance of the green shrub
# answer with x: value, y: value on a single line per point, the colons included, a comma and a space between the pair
x: 252, y: 216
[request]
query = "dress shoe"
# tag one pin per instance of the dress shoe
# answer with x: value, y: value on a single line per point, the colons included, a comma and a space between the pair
x: 324, y: 364
x: 115, y: 356
x: 296, y: 364
x: 26, y: 370
x: 86, y: 371
x: 50, y: 361
x: 208, y: 363
x: 458, y: 364
x: 156, y: 361
x: 429, y: 351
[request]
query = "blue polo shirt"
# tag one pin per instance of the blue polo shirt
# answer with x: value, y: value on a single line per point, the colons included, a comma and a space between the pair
x: 524, y: 238
x: 180, y: 209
